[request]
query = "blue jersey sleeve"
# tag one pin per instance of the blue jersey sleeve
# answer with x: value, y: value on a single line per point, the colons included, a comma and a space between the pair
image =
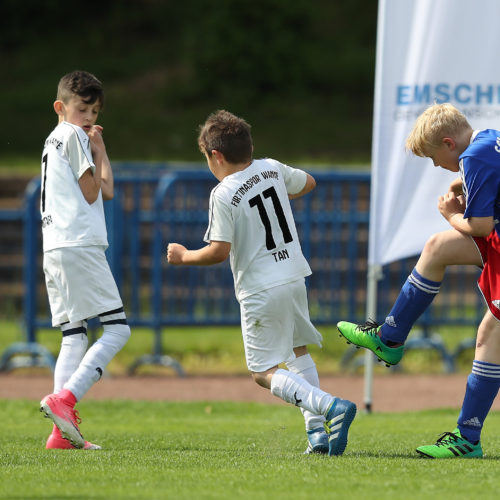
x: 481, y: 176
x: 481, y: 187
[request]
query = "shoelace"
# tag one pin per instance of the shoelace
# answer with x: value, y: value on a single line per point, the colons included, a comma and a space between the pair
x: 446, y: 438
x: 369, y: 327
x: 76, y: 416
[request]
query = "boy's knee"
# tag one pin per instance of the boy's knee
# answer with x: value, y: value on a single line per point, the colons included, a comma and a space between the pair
x: 433, y: 245
x: 117, y: 334
x: 258, y: 377
x: 264, y: 378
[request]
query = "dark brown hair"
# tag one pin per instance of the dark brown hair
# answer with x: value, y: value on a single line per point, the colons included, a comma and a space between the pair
x: 82, y: 84
x: 227, y: 134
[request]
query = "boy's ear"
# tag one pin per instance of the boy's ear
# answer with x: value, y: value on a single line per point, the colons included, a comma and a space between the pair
x: 218, y: 156
x: 449, y: 142
x: 59, y: 107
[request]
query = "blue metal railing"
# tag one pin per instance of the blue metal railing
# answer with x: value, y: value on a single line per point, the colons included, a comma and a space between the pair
x: 155, y: 206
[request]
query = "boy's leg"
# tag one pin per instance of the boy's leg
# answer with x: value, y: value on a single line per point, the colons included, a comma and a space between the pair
x: 484, y: 381
x: 115, y: 335
x: 304, y: 366
x: 273, y: 323
x: 292, y: 388
x: 73, y: 347
x: 482, y: 388
x: 441, y: 250
x: 60, y: 407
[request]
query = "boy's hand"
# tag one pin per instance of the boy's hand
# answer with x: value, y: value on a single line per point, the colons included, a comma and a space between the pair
x: 456, y: 186
x: 175, y: 252
x: 451, y: 204
x: 96, y: 140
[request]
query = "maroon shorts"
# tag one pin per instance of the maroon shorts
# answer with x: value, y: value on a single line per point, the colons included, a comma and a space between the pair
x: 489, y: 280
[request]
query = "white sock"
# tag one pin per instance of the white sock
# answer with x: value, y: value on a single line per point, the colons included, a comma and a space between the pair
x: 97, y: 358
x: 296, y: 390
x: 73, y: 346
x: 305, y: 367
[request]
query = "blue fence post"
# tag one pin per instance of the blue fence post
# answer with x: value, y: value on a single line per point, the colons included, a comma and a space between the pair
x: 30, y: 245
x: 29, y: 353
x: 157, y: 357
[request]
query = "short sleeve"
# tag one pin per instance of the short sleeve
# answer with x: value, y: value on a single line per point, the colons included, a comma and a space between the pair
x: 79, y: 160
x: 295, y: 179
x: 481, y: 187
x: 220, y: 220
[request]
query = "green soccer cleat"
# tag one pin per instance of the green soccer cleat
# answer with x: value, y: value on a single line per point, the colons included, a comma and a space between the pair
x: 366, y: 335
x: 451, y: 445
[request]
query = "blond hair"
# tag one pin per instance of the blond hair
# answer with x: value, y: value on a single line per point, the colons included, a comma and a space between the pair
x: 435, y: 123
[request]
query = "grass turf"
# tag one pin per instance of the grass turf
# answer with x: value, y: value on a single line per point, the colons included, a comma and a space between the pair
x: 156, y: 450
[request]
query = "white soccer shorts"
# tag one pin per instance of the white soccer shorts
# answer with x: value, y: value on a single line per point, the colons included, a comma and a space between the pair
x: 80, y: 284
x: 273, y: 323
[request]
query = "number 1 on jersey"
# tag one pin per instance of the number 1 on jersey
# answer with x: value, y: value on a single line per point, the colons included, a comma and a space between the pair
x: 44, y: 180
x: 256, y: 201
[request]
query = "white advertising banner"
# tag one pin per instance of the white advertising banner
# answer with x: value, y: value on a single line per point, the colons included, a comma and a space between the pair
x: 428, y: 51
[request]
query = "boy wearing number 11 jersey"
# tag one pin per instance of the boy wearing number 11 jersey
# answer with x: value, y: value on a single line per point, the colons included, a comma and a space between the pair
x: 76, y: 177
x: 251, y: 221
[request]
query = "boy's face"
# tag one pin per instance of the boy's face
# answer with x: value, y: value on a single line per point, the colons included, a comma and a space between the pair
x: 446, y: 156
x: 78, y: 112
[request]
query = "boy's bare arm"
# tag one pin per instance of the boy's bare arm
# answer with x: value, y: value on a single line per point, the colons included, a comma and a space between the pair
x: 107, y: 180
x: 309, y: 186
x: 452, y: 208
x: 214, y: 253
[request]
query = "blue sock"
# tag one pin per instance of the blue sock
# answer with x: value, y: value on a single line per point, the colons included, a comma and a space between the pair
x: 482, y: 388
x: 414, y: 298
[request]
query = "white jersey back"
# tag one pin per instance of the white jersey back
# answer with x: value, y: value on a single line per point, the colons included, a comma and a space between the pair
x: 67, y: 218
x: 251, y: 210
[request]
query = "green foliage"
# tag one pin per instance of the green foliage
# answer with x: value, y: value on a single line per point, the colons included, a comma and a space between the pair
x: 300, y: 72
x: 234, y: 450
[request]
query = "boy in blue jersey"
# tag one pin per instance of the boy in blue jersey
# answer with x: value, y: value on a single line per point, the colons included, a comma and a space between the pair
x: 472, y: 207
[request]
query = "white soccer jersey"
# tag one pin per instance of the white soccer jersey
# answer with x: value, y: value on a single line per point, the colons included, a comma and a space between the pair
x: 67, y: 218
x: 251, y: 210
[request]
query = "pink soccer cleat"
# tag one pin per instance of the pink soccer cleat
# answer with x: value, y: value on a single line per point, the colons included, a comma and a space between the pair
x: 56, y: 442
x: 61, y: 411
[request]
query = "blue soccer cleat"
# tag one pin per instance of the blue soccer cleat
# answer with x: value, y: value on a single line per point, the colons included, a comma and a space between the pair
x: 338, y: 420
x: 317, y: 441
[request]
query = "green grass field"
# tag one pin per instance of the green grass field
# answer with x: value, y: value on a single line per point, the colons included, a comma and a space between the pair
x: 234, y: 450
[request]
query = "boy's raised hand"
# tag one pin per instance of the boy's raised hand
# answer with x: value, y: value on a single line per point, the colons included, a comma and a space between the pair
x: 451, y: 204
x: 96, y: 140
x: 175, y: 253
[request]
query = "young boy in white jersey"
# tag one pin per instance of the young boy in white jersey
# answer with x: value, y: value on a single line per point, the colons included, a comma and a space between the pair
x: 251, y: 221
x: 76, y: 177
x: 472, y: 208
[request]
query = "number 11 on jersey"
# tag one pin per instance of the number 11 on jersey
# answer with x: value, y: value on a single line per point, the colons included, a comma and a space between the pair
x: 256, y: 201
